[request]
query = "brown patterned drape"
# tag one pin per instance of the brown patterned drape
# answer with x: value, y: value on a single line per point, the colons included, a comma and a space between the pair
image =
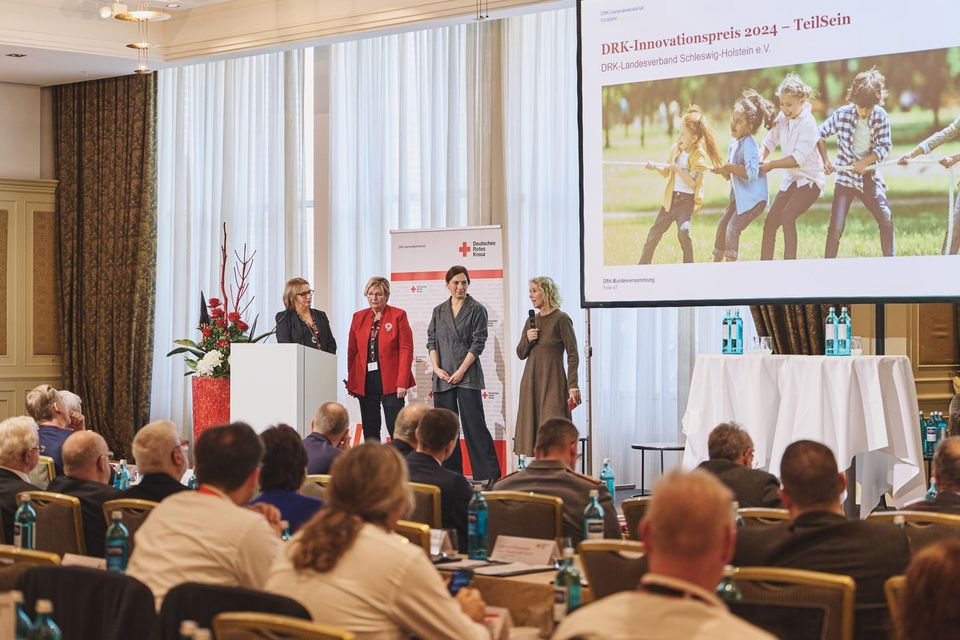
x: 107, y: 213
x: 795, y: 328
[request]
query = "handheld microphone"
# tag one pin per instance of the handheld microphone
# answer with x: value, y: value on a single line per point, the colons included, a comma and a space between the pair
x: 533, y: 319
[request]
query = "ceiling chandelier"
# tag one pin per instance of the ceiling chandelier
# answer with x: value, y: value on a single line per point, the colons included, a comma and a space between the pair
x: 142, y: 15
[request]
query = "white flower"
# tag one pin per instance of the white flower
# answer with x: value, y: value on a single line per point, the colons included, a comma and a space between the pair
x: 209, y: 363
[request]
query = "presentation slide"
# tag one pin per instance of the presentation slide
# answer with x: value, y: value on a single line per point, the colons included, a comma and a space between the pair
x: 754, y: 151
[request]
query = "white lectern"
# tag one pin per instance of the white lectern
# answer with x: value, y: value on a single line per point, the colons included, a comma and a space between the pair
x: 272, y: 383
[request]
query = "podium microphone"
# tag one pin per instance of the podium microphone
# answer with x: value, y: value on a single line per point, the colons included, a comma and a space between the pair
x: 533, y: 320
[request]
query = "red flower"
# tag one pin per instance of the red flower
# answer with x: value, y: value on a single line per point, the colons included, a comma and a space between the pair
x: 222, y: 343
x: 213, y: 302
x: 233, y: 316
x: 220, y: 322
x: 243, y: 326
x: 216, y: 313
x: 207, y: 330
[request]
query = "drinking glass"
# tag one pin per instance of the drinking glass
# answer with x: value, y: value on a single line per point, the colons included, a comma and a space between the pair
x: 766, y: 345
x: 856, y: 346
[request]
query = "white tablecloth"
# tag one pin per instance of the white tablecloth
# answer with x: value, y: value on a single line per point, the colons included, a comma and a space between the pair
x: 864, y: 406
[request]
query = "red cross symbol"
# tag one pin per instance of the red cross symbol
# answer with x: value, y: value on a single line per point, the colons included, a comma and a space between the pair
x: 430, y: 394
x: 464, y: 249
x: 413, y: 289
x: 484, y: 395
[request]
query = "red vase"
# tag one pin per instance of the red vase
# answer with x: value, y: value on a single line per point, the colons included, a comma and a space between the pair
x: 211, y: 403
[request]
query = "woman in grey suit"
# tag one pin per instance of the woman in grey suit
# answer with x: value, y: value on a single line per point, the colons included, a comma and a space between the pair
x: 455, y: 339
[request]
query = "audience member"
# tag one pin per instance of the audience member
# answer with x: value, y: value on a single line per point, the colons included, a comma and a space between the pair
x: 349, y: 571
x: 329, y: 436
x: 86, y: 468
x: 437, y: 435
x: 953, y: 413
x: 19, y: 454
x: 689, y: 536
x: 946, y: 473
x: 731, y: 459
x: 161, y: 459
x: 281, y: 475
x: 928, y: 606
x: 207, y: 535
x: 821, y: 539
x: 59, y: 414
x: 405, y: 428
x: 551, y: 473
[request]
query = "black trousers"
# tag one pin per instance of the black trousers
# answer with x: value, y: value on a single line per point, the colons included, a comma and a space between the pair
x: 468, y: 404
x: 787, y: 206
x: 370, y: 407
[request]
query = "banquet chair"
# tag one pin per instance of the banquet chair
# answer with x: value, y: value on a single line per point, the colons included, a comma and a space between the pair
x: 523, y: 514
x: 134, y: 513
x: 59, y: 526
x: 10, y: 555
x: 893, y: 588
x: 530, y: 603
x: 764, y: 517
x: 415, y: 532
x: 794, y: 603
x: 44, y: 473
x: 315, y: 486
x: 633, y: 510
x: 922, y: 527
x: 612, y: 565
x: 426, y: 507
x: 264, y: 626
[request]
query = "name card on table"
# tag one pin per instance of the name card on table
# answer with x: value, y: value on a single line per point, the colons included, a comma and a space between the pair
x: 531, y: 551
x: 76, y: 560
x: 440, y: 543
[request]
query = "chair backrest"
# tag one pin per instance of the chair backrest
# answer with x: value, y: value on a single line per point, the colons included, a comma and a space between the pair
x: 134, y: 513
x: 315, y: 489
x: 633, y: 510
x: 203, y: 602
x: 811, y: 591
x: 612, y: 565
x: 59, y: 522
x: 922, y: 527
x: 44, y: 473
x: 528, y: 515
x: 10, y: 554
x: 261, y: 626
x: 416, y: 532
x: 764, y: 517
x: 426, y: 508
x: 893, y: 588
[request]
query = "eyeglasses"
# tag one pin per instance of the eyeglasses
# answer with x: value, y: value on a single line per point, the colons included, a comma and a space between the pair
x: 40, y: 448
x: 308, y: 292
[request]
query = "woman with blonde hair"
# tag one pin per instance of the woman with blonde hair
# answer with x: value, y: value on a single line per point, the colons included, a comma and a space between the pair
x: 348, y: 569
x: 301, y: 323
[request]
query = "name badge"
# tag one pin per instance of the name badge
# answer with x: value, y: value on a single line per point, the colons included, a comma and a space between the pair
x: 372, y: 366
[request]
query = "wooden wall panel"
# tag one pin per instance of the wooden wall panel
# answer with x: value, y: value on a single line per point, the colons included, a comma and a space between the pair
x: 937, y: 335
x: 4, y: 271
x: 46, y: 294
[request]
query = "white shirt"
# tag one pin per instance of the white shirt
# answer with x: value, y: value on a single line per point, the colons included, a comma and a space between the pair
x: 383, y: 588
x: 638, y: 615
x: 683, y: 161
x: 797, y: 138
x: 198, y: 537
x: 862, y: 138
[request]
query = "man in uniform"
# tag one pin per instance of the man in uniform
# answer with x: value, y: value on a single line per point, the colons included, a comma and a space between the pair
x: 552, y: 474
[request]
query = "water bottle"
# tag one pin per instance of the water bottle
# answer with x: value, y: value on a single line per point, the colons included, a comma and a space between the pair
x: 187, y: 629
x: 736, y: 337
x: 727, y: 590
x: 25, y: 525
x: 593, y: 517
x: 24, y: 625
x: 522, y: 464
x: 737, y: 518
x: 566, y: 587
x: 830, y: 334
x: 285, y: 530
x: 44, y: 628
x: 725, y: 332
x: 193, y: 483
x: 942, y: 427
x: 930, y: 441
x: 607, y: 477
x: 117, y: 550
x: 843, y: 333
x: 122, y: 480
x: 923, y: 434
x: 932, y: 492
x: 477, y: 526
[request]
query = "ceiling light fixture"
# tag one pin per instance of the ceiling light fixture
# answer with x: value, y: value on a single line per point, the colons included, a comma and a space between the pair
x: 143, y: 15
x: 16, y: 55
x: 173, y: 5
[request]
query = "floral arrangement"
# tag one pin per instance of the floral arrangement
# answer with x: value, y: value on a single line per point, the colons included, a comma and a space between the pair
x: 223, y: 324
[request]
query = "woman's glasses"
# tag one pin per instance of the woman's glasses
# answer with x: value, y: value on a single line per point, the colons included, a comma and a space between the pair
x: 304, y: 294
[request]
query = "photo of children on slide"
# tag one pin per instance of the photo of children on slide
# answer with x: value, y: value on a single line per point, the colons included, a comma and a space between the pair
x: 839, y: 159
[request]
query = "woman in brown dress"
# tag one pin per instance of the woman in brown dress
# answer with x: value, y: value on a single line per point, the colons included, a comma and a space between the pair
x: 545, y: 389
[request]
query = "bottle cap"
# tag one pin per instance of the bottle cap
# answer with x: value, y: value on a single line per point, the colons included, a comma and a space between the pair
x: 594, y: 493
x: 606, y: 461
x: 188, y: 627
x: 123, y: 461
x: 26, y: 498
x: 116, y: 515
x: 284, y: 524
x: 735, y: 505
x: 729, y: 571
x: 899, y: 520
x: 44, y: 606
x: 568, y: 552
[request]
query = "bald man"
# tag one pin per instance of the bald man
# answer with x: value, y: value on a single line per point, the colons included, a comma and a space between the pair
x: 405, y: 428
x: 86, y: 468
x: 689, y: 535
x: 329, y: 436
x: 162, y: 459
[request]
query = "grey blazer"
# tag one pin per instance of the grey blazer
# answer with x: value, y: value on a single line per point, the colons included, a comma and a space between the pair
x: 452, y: 339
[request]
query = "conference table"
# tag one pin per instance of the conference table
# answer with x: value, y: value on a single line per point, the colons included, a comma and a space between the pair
x: 864, y: 408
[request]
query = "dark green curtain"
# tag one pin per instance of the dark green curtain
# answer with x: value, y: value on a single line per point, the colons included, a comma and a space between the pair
x: 106, y: 154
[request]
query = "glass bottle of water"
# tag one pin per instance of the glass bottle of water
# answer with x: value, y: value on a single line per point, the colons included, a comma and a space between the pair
x: 736, y: 342
x: 522, y: 462
x: 932, y: 491
x: 727, y: 590
x: 607, y: 477
x: 830, y: 333
x: 566, y: 587
x: 25, y: 525
x: 285, y: 530
x: 117, y: 550
x: 843, y: 333
x: 725, y: 332
x: 477, y: 526
x: 593, y: 517
x: 44, y: 628
x: 193, y: 483
x: 737, y: 518
x: 930, y: 442
x: 24, y: 625
x: 122, y: 481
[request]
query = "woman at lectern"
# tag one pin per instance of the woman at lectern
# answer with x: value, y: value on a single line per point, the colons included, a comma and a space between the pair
x: 299, y: 322
x: 379, y: 359
x: 546, y: 391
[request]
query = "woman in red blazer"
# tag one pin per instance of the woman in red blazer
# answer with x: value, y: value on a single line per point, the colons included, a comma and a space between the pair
x: 379, y: 357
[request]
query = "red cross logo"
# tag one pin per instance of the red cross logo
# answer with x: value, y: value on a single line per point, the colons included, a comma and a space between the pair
x: 413, y: 289
x: 484, y: 395
x: 464, y: 249
x: 430, y: 394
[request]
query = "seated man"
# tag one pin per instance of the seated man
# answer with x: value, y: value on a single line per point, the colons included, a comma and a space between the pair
x: 329, y: 436
x: 821, y: 539
x: 437, y: 435
x: 19, y: 454
x: 86, y: 467
x: 689, y: 536
x: 161, y: 459
x: 405, y: 428
x: 207, y: 535
x: 552, y: 474
x: 59, y: 414
x: 731, y: 459
x: 946, y: 473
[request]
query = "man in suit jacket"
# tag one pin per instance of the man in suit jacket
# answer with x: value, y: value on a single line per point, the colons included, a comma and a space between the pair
x: 19, y: 454
x: 731, y: 459
x: 405, y: 430
x: 86, y: 467
x: 161, y: 459
x: 821, y: 539
x: 437, y: 435
x: 946, y: 473
x: 329, y: 436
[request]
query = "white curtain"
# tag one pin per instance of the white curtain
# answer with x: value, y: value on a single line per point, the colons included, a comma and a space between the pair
x: 231, y: 150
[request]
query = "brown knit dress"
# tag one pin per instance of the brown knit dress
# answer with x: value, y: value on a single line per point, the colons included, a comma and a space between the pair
x: 545, y: 386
